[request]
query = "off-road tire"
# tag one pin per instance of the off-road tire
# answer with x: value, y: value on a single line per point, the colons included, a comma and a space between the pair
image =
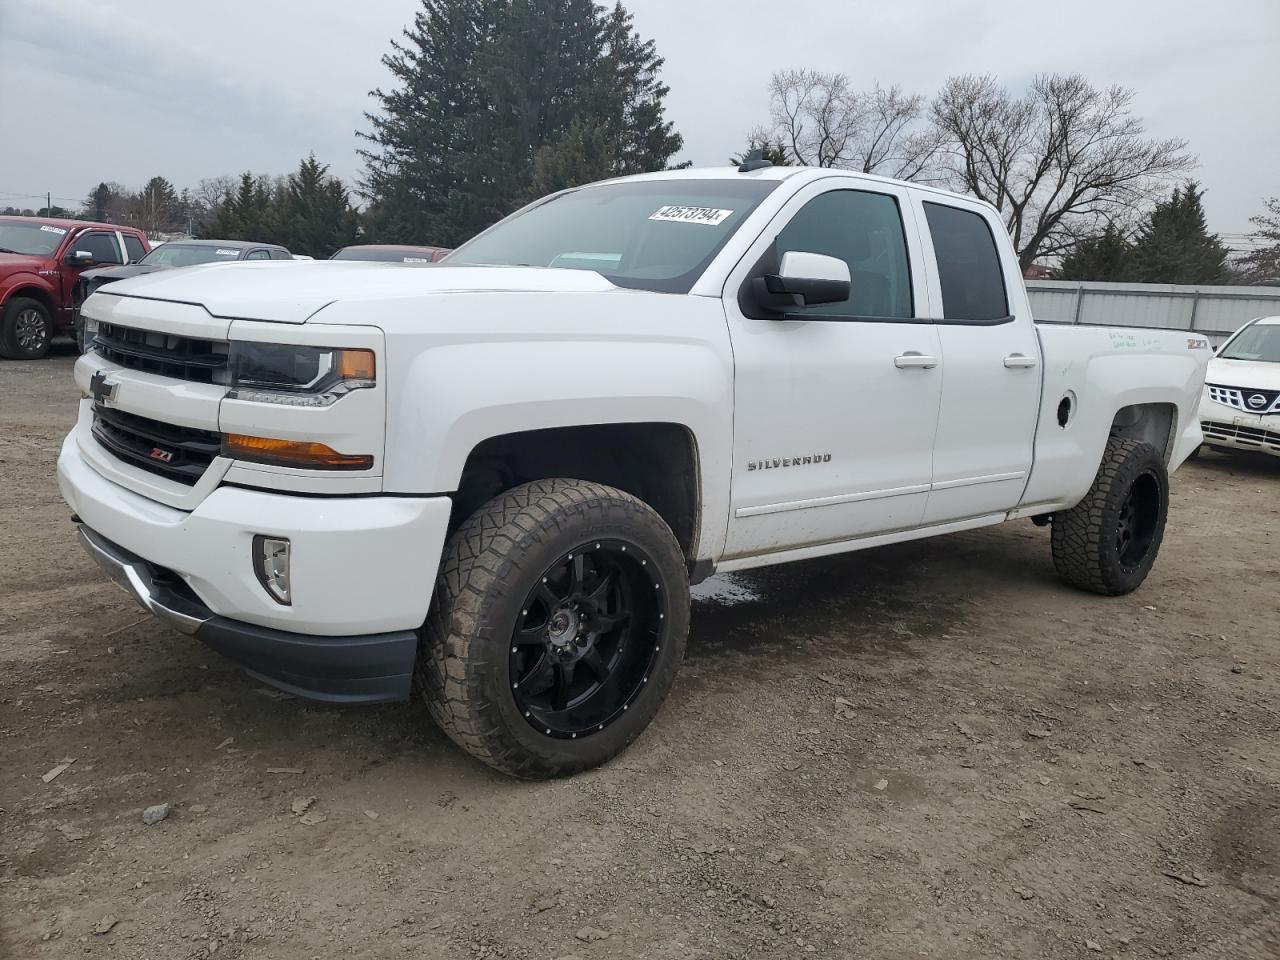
x: 490, y: 565
x: 10, y: 347
x: 1086, y: 552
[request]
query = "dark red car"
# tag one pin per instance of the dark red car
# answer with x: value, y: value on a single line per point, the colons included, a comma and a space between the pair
x: 392, y: 253
x: 40, y: 264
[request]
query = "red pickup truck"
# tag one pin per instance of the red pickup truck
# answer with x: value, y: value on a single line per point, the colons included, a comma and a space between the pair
x: 40, y: 263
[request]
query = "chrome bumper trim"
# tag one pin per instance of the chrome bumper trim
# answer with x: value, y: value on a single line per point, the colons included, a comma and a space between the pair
x: 138, y: 579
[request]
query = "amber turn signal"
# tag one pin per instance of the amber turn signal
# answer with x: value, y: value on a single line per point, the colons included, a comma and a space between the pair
x: 356, y: 365
x: 292, y: 453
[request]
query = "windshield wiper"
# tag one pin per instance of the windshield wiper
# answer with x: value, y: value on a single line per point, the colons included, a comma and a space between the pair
x: 7, y: 250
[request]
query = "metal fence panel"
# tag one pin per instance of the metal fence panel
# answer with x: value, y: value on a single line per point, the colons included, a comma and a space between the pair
x: 1215, y: 311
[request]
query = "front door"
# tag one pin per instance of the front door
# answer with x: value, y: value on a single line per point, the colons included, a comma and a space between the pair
x: 105, y: 249
x: 836, y: 405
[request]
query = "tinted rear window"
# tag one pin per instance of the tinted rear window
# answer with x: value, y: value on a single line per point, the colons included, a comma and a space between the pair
x: 968, y: 265
x: 133, y: 246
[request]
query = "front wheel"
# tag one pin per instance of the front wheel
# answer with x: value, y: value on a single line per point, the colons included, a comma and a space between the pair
x: 557, y: 627
x: 1108, y: 542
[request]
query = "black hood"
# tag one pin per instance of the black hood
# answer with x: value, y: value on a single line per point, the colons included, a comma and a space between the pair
x: 107, y: 274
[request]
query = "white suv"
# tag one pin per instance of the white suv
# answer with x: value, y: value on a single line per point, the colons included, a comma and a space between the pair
x: 1240, y: 408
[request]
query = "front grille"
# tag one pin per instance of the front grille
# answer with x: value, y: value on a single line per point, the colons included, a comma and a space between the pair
x: 179, y: 453
x: 1243, y: 398
x: 1249, y: 436
x: 183, y: 358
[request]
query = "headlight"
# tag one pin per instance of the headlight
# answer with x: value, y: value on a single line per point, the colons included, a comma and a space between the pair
x: 89, y: 328
x: 297, y: 376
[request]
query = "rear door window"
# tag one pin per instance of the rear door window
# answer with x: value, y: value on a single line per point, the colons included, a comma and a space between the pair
x: 133, y: 246
x: 968, y: 265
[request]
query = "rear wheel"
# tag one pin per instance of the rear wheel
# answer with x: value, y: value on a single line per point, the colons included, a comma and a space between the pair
x: 557, y: 627
x: 1108, y: 542
x: 25, y: 329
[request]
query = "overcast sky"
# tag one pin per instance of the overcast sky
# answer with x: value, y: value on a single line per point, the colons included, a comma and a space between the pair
x: 126, y: 89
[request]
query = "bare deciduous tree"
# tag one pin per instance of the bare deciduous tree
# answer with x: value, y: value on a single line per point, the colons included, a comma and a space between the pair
x: 1059, y: 162
x: 823, y: 122
x: 1263, y: 261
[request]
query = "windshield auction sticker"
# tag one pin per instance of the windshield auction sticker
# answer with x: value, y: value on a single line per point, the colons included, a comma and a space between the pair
x: 48, y: 229
x: 707, y: 216
x: 221, y: 252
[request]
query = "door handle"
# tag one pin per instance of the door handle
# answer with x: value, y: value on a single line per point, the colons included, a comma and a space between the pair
x: 913, y: 360
x: 1017, y: 361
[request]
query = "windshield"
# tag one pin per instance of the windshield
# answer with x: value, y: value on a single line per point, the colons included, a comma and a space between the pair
x: 188, y: 255
x: 1258, y: 342
x: 30, y: 237
x: 652, y: 235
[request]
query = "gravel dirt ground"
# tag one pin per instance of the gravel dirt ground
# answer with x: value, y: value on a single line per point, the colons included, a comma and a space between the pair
x: 934, y: 749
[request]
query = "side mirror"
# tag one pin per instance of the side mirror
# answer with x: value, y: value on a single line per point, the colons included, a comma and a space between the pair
x: 804, y: 280
x: 79, y: 258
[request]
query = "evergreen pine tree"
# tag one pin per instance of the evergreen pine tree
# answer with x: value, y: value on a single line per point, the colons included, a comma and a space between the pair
x: 1174, y: 244
x: 97, y: 206
x: 775, y: 153
x: 157, y: 206
x: 497, y: 101
x: 312, y: 213
x: 584, y: 154
x: 1108, y: 256
x: 244, y: 214
x: 428, y: 165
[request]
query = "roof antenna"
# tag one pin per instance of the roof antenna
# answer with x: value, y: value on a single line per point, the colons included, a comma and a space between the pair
x: 754, y: 161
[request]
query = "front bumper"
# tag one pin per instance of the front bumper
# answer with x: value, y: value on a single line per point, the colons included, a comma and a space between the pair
x: 363, y: 669
x: 362, y: 572
x: 1225, y: 427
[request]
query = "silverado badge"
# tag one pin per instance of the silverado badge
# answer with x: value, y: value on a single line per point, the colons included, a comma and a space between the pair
x: 777, y: 463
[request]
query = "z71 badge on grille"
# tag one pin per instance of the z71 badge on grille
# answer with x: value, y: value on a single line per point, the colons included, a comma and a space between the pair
x: 777, y: 463
x: 164, y: 456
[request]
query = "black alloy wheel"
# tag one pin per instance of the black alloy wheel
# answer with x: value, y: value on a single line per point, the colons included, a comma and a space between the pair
x: 556, y: 629
x: 1108, y: 542
x: 586, y: 639
x: 1139, y: 519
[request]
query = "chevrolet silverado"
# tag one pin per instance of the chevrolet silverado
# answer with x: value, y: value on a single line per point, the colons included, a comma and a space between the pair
x: 494, y: 480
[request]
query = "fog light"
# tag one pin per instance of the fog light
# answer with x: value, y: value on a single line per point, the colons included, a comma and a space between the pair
x: 271, y: 564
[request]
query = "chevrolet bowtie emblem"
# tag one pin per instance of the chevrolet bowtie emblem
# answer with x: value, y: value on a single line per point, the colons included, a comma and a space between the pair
x: 102, y: 389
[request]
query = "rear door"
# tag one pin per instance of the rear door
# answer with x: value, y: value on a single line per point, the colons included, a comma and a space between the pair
x: 835, y: 406
x: 991, y: 392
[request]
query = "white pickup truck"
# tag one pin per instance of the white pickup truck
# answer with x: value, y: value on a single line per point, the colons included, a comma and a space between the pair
x: 494, y: 479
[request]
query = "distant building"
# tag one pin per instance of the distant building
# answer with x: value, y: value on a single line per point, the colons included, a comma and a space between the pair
x: 1037, y: 271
